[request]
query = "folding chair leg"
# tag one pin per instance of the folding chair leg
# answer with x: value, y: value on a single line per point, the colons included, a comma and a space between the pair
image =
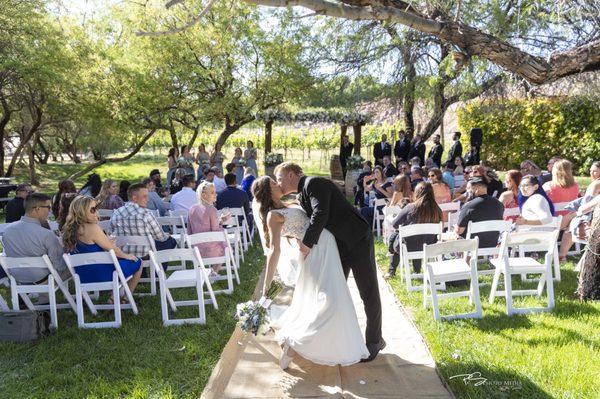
x: 550, y: 289
x: 494, y: 286
x: 556, y: 264
x: 3, y: 304
x: 508, y: 293
x: 117, y: 300
x: 211, y: 293
x: 163, y: 304
x: 79, y: 301
x: 434, y: 297
x: 52, y: 303
x: 200, y: 293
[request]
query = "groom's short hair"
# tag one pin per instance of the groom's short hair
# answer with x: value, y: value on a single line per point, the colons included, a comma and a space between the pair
x: 287, y: 167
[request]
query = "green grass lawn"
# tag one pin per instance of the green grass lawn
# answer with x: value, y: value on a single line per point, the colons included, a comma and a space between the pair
x: 543, y: 355
x: 142, y: 359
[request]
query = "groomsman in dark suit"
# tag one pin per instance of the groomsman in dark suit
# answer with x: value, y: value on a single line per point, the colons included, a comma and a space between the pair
x: 381, y: 149
x: 436, y: 151
x: 345, y: 152
x: 456, y: 149
x: 402, y: 147
x: 418, y: 149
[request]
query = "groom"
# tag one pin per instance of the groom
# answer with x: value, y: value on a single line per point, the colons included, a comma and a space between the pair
x: 327, y: 208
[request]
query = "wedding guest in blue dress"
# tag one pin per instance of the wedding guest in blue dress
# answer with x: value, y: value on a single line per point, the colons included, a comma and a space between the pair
x: 239, y: 163
x: 247, y: 181
x: 250, y: 154
x: 82, y: 234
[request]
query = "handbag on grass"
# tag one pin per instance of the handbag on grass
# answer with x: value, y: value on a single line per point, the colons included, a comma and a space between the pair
x: 24, y: 325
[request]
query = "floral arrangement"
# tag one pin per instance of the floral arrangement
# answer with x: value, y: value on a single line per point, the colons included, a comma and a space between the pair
x: 273, y: 159
x: 252, y: 315
x: 241, y: 162
x: 354, y: 162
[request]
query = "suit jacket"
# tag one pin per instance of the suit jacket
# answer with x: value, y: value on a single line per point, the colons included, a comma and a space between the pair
x: 402, y: 149
x: 418, y: 150
x: 455, y: 151
x: 436, y: 154
x: 328, y: 209
x: 379, y: 153
x: 233, y: 197
x: 345, y: 152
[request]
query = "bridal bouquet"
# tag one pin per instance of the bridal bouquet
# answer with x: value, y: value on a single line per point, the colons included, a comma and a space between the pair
x: 252, y: 315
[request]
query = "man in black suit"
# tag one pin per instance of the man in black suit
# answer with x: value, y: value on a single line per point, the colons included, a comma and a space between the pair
x: 381, y: 149
x: 402, y: 147
x: 345, y: 152
x: 15, y: 208
x: 233, y: 197
x: 456, y: 149
x: 418, y: 149
x: 327, y: 208
x: 436, y: 151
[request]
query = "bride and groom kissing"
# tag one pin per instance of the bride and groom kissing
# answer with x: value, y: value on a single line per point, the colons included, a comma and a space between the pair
x: 320, y: 324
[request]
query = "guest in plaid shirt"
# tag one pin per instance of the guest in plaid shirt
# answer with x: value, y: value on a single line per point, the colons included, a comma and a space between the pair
x: 133, y: 219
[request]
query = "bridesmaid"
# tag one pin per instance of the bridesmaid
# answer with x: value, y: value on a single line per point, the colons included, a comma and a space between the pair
x: 172, y: 164
x: 239, y: 162
x: 203, y: 160
x: 251, y: 155
x: 216, y: 159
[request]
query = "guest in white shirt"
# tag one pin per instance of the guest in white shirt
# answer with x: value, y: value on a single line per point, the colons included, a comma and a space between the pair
x: 536, y: 207
x: 219, y: 181
x: 186, y: 198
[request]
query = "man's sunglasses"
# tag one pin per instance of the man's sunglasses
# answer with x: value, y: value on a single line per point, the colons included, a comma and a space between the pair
x: 45, y: 206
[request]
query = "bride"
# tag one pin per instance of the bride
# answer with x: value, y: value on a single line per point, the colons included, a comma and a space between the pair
x: 320, y: 325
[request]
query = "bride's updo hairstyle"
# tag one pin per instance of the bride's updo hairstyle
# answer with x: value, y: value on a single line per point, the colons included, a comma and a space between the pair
x: 261, y: 190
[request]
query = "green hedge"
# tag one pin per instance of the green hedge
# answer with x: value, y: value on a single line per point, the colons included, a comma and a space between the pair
x: 535, y: 129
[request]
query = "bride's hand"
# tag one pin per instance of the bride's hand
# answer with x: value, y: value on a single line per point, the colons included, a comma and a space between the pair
x: 304, y: 250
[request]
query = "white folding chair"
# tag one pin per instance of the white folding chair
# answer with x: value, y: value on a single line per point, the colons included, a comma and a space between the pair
x: 509, y: 212
x: 389, y: 213
x: 177, y: 228
x: 127, y: 245
x: 509, y: 266
x: 105, y: 213
x: 234, y: 234
x: 488, y: 226
x: 115, y: 284
x: 412, y: 230
x: 240, y: 213
x: 378, y: 215
x: 560, y: 206
x: 180, y: 212
x: 452, y: 208
x: 226, y: 259
x: 18, y: 271
x: 442, y: 271
x: 191, y: 278
x: 554, y: 225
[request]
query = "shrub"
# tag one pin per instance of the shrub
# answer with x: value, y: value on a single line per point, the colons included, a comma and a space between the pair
x: 535, y: 129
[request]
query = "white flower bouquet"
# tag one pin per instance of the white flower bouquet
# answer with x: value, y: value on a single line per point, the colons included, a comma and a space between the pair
x: 273, y: 159
x: 252, y: 315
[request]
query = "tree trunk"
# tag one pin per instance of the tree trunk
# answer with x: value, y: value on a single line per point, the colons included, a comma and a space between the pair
x: 37, y: 122
x: 6, y: 113
x: 101, y: 162
x: 410, y: 76
x: 194, y: 137
x: 31, y: 169
x: 173, y: 135
x: 589, y: 278
x: 268, y: 137
x: 357, y: 138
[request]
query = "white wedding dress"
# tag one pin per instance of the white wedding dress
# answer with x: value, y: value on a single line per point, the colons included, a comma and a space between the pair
x: 321, y: 323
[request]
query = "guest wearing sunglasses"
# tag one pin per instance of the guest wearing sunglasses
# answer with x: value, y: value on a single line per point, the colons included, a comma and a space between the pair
x: 82, y: 234
x: 28, y: 238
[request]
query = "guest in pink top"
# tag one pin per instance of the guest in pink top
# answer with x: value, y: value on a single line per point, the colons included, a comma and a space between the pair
x: 563, y: 188
x: 202, y: 217
x: 509, y: 197
x: 441, y: 190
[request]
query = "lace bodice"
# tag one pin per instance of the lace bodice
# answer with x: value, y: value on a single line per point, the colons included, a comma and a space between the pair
x: 295, y: 223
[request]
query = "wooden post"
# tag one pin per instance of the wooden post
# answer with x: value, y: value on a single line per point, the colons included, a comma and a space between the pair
x: 343, y: 130
x: 268, y: 136
x: 357, y: 138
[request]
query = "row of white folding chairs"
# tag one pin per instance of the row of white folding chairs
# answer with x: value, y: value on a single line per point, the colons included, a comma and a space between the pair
x: 442, y: 271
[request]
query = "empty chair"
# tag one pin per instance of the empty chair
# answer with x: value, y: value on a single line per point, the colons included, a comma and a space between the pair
x: 554, y: 225
x: 412, y: 232
x: 197, y: 278
x: 129, y: 244
x: 19, y: 272
x: 226, y: 259
x: 442, y: 271
x: 496, y: 227
x: 509, y: 266
x: 176, y: 227
x: 389, y: 213
x: 242, y: 222
x: 180, y: 212
x: 116, y: 283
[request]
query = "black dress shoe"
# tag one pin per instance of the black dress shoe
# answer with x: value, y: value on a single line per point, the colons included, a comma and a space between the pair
x: 374, y: 351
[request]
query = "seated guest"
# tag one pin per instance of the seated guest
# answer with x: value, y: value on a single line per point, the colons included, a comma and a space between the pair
x: 15, y: 208
x: 209, y: 175
x: 441, y: 191
x: 536, y: 207
x: 203, y: 218
x: 460, y: 192
x: 528, y: 167
x: 424, y: 209
x: 64, y: 186
x: 509, y: 198
x: 563, y: 188
x: 133, y: 219
x: 359, y: 197
x: 124, y: 189
x: 494, y: 183
x: 480, y: 207
x: 177, y: 180
x: 448, y: 175
x: 155, y: 177
x: 63, y: 212
x: 186, y: 198
x: 584, y: 206
x: 415, y: 161
x: 381, y: 188
x: 234, y: 197
x: 108, y: 198
x: 458, y: 166
x: 247, y: 181
x: 155, y: 202
x: 27, y: 238
x: 219, y: 181
x: 402, y: 167
x: 389, y: 170
x: 402, y: 190
x: 82, y: 234
x: 92, y: 186
x: 472, y: 157
x: 546, y: 175
x: 416, y: 176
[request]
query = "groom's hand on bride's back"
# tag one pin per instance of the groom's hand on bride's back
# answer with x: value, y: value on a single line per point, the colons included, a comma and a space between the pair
x: 304, y: 250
